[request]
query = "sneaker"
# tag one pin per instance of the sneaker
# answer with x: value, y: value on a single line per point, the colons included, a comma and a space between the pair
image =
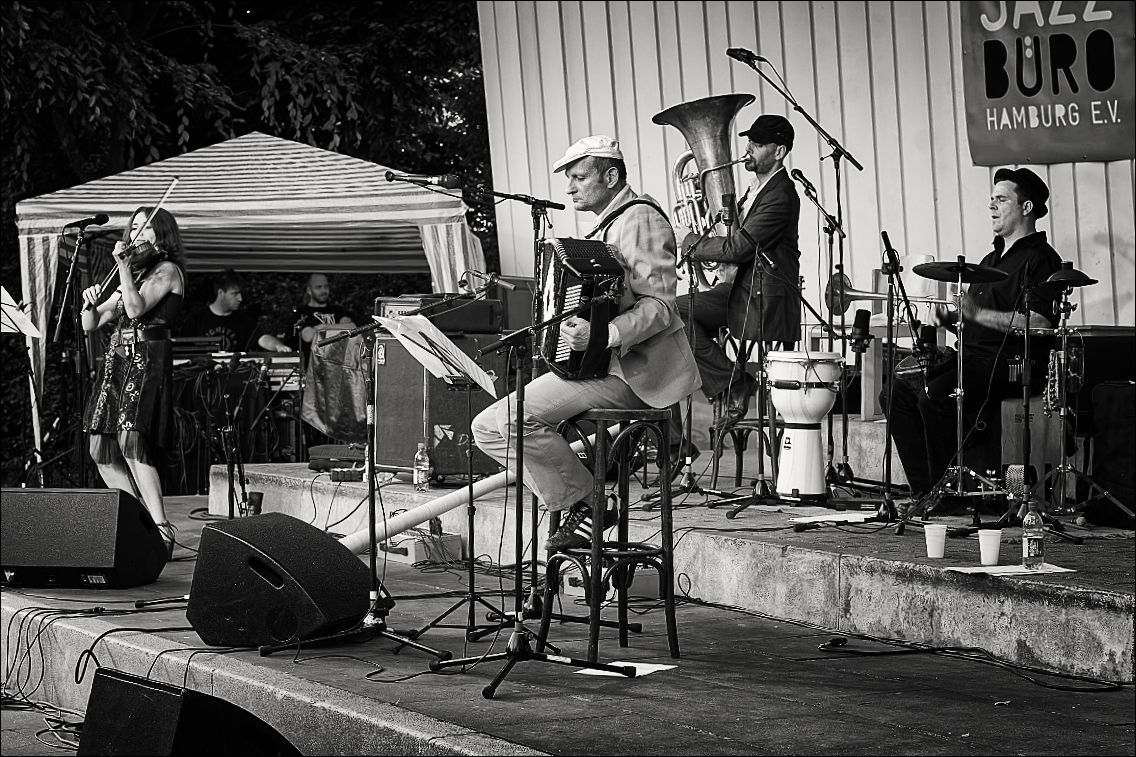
x: 575, y: 530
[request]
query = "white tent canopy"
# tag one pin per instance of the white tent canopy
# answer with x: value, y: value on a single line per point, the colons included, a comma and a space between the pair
x: 259, y: 203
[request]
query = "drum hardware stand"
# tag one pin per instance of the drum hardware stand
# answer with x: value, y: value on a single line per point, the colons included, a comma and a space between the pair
x: 1054, y: 525
x: 1065, y: 308
x: 374, y: 622
x: 518, y: 649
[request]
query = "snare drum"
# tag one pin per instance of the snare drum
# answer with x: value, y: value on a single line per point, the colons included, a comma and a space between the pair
x: 803, y: 388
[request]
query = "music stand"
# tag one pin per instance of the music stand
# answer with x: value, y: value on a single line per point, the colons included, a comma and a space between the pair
x: 444, y: 360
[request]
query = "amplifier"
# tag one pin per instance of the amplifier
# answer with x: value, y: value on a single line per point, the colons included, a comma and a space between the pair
x: 411, y: 405
x: 465, y: 316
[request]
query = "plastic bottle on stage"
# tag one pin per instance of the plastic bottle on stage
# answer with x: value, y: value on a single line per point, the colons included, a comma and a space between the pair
x: 421, y: 469
x: 1033, y: 538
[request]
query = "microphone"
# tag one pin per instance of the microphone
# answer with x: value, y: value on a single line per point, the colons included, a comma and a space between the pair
x: 925, y: 351
x: 234, y: 361
x: 727, y: 215
x: 861, y: 333
x: 743, y: 55
x: 96, y: 220
x: 808, y: 185
x: 893, y: 256
x: 490, y: 279
x: 263, y: 378
x: 447, y: 181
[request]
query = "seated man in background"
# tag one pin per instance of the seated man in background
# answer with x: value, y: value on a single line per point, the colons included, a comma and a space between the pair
x: 239, y: 331
x: 316, y: 311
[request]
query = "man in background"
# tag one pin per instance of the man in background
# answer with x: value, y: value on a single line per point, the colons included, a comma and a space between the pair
x: 316, y: 311
x: 239, y: 331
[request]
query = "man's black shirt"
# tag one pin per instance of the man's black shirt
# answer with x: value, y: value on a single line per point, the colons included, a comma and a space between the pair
x: 1028, y: 259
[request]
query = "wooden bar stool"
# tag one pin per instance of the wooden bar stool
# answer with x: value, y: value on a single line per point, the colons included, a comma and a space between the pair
x: 740, y: 432
x: 614, y: 562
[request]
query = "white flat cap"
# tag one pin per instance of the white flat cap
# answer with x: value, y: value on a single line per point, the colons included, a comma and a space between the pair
x: 598, y: 146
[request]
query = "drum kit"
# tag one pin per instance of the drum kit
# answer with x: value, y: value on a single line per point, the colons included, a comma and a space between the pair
x: 804, y: 386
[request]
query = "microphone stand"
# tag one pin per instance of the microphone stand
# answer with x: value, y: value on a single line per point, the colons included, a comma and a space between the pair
x: 518, y: 649
x: 79, y: 362
x: 837, y: 154
x: 689, y: 483
x: 842, y: 473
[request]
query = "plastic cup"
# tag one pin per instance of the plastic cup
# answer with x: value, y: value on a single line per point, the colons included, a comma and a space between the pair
x: 990, y: 543
x: 936, y: 535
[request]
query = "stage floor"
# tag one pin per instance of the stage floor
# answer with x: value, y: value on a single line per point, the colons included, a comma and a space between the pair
x: 746, y: 683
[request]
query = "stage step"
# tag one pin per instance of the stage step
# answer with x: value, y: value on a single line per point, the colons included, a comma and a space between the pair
x: 876, y: 583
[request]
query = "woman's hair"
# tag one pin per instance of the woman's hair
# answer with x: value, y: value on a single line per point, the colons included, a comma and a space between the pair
x: 167, y: 236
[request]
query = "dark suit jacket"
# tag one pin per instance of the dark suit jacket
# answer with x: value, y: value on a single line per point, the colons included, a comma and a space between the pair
x: 771, y: 223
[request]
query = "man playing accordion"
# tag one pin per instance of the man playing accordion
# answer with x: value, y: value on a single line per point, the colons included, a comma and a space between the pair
x: 651, y: 362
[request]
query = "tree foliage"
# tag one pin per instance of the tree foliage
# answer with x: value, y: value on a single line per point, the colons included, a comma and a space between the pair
x: 90, y: 89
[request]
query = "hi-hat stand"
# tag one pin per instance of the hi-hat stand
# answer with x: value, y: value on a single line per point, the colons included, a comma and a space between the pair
x: 374, y: 622
x: 959, y: 273
x: 518, y: 648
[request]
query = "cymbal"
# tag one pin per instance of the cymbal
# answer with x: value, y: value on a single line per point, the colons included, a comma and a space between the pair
x: 1070, y: 277
x: 967, y: 273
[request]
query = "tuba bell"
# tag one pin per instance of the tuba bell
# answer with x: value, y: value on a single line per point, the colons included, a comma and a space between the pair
x: 705, y: 124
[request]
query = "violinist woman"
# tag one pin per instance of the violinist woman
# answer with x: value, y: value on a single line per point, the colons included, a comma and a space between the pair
x: 130, y: 415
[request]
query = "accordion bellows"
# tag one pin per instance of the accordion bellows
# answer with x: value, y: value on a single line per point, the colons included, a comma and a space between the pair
x: 574, y: 273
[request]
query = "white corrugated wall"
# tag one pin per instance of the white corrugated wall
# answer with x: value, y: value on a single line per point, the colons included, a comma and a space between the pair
x: 884, y: 78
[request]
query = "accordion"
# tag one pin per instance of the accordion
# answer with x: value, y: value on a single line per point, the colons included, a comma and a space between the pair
x: 571, y: 273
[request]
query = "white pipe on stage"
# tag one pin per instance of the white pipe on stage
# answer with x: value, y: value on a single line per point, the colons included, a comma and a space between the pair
x: 360, y: 541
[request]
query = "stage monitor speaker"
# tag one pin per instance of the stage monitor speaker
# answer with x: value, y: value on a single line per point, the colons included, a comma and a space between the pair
x: 411, y: 406
x: 271, y: 579
x: 131, y: 715
x: 78, y: 539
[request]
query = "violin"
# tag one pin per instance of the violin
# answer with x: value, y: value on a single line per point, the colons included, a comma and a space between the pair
x: 143, y: 257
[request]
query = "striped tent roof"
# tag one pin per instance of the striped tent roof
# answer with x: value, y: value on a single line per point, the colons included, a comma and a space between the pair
x: 254, y: 203
x: 261, y: 203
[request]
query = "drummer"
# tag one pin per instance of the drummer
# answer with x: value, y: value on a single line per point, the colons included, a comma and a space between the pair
x: 923, y: 419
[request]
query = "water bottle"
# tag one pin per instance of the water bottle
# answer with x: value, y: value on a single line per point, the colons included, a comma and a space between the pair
x: 1033, y: 538
x: 421, y: 469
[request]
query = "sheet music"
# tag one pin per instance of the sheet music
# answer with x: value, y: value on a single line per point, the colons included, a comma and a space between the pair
x: 435, y: 351
x: 14, y: 319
